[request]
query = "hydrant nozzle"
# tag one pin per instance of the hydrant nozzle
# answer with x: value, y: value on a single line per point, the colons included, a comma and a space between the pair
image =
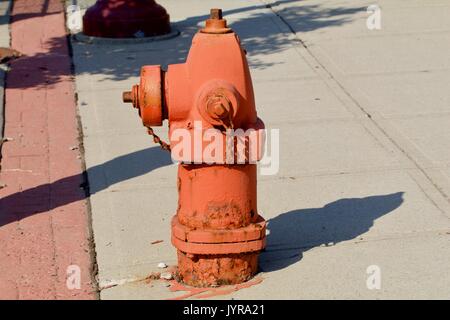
x: 127, y: 97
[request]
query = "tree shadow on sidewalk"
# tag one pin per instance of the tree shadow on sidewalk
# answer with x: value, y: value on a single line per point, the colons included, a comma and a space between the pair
x: 30, y: 11
x: 120, y: 61
x: 295, y: 232
x: 49, y: 196
x: 42, y: 70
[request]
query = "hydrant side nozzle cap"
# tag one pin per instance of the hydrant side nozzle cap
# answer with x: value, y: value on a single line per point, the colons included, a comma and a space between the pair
x: 131, y: 96
x: 127, y: 97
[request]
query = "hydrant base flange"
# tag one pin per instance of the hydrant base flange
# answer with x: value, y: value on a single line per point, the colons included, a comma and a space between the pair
x: 229, y: 241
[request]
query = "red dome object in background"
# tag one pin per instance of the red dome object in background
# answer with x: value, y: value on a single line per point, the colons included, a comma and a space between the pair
x: 126, y: 19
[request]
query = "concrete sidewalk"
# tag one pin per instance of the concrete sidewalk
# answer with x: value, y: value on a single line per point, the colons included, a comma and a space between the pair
x: 364, y: 149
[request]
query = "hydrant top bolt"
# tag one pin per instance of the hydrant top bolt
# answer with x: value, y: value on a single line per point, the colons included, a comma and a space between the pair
x: 216, y: 24
x: 131, y: 96
x: 216, y: 14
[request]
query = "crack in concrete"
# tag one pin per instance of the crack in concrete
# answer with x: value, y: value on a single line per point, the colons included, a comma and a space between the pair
x: 362, y: 109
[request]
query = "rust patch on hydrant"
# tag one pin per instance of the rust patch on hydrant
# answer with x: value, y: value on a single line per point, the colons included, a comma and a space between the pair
x: 216, y: 270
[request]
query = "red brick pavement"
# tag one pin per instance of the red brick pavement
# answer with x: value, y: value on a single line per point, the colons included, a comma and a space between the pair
x: 44, y: 221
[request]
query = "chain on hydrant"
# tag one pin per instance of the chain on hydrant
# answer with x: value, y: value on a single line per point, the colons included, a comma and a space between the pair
x: 217, y: 229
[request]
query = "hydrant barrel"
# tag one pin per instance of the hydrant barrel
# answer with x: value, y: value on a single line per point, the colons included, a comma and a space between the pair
x: 217, y: 138
x: 219, y: 204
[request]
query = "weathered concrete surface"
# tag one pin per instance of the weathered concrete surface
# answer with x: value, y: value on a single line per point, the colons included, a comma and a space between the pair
x: 45, y: 247
x: 364, y: 162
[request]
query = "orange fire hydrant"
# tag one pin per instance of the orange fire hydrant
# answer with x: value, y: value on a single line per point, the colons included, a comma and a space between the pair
x: 217, y: 229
